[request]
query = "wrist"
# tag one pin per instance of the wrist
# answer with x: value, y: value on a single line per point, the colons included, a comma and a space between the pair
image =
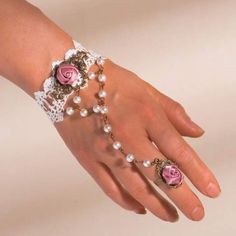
x: 26, y: 53
x: 36, y: 72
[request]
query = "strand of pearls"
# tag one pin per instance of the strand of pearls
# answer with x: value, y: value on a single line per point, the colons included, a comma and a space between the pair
x: 102, y: 109
x: 70, y: 76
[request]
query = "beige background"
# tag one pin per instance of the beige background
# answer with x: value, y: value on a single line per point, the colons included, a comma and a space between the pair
x: 186, y: 49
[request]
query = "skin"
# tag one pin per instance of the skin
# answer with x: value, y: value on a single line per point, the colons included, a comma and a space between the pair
x: 156, y: 130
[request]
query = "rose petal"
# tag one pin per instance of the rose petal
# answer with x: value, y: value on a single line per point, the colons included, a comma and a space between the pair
x: 67, y: 74
x: 171, y: 175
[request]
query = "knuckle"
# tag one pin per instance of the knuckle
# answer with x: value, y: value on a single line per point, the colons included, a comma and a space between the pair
x: 139, y: 190
x: 178, y: 108
x: 99, y: 143
x: 121, y: 163
x: 148, y: 112
x: 182, y: 154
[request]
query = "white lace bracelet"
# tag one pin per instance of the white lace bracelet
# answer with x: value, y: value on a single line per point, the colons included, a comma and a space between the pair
x: 72, y: 74
x: 67, y: 76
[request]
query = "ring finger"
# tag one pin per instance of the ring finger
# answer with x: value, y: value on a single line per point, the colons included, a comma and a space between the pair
x: 139, y: 187
x: 182, y: 196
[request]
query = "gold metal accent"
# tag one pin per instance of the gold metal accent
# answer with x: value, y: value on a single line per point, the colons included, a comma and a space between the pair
x: 77, y: 60
x: 122, y: 151
x: 61, y: 90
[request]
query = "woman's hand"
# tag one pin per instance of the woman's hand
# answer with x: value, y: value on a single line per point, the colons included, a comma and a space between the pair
x: 138, y: 113
x: 148, y: 124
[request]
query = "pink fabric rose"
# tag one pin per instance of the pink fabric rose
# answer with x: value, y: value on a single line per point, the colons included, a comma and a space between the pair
x: 172, y: 175
x: 67, y: 74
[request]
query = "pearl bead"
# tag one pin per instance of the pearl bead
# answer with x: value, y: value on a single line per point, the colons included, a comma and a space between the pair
x: 146, y: 163
x: 100, y: 61
x: 102, y: 78
x: 91, y: 75
x: 102, y: 94
x: 96, y: 108
x: 69, y: 111
x: 130, y: 157
x: 104, y: 109
x: 116, y: 145
x: 77, y: 99
x: 83, y: 112
x: 107, y: 128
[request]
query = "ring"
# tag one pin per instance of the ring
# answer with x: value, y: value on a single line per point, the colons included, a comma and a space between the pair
x: 168, y: 172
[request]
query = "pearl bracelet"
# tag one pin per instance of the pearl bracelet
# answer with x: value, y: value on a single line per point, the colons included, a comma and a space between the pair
x: 72, y: 74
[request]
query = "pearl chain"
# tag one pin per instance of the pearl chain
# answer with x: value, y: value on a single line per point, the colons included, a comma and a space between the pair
x: 101, y: 108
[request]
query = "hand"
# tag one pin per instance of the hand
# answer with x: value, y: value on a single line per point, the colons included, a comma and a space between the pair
x: 137, y: 111
x: 148, y: 124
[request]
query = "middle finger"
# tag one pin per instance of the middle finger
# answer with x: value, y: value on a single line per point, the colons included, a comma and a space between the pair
x: 174, y: 147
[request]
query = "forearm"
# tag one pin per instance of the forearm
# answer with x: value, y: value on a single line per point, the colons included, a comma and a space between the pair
x: 29, y: 43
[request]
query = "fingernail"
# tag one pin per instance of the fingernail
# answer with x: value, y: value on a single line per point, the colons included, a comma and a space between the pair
x: 141, y: 211
x: 198, y: 127
x: 197, y: 213
x: 212, y: 190
x: 173, y: 218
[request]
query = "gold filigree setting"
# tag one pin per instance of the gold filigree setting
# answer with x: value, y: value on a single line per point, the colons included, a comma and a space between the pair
x: 79, y: 61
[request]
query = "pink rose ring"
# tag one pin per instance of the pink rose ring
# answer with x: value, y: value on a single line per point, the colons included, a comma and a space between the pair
x: 168, y: 172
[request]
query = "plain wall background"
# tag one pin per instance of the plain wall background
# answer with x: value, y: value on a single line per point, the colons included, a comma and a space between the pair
x: 186, y: 49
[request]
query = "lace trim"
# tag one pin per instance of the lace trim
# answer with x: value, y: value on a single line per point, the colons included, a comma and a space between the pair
x: 54, y: 108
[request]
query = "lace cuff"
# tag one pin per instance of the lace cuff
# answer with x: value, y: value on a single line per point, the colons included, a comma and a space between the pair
x: 65, y: 79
